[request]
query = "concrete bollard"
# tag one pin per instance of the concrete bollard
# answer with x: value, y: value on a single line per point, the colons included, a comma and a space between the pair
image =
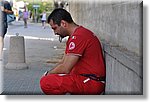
x: 16, y: 57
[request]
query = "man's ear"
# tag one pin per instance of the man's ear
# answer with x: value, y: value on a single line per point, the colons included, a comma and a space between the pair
x: 63, y: 23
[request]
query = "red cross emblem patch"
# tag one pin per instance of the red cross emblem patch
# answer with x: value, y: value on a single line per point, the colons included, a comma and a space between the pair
x: 71, y: 45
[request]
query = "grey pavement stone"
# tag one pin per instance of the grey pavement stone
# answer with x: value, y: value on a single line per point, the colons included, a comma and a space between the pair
x: 37, y: 52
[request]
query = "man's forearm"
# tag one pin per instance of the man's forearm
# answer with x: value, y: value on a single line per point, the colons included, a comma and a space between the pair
x: 59, y: 69
x: 8, y: 11
x: 66, y: 65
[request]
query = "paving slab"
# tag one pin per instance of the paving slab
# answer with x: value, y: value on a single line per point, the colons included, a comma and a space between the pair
x: 42, y: 52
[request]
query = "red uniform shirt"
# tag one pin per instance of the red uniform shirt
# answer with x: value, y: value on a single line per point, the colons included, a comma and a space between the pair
x: 85, y: 44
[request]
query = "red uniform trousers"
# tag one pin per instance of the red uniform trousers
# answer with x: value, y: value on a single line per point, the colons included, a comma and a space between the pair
x: 58, y: 84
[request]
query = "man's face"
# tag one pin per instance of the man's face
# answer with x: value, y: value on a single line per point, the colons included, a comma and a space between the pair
x: 58, y: 30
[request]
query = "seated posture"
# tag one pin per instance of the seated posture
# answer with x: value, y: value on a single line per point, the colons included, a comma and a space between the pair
x: 82, y: 69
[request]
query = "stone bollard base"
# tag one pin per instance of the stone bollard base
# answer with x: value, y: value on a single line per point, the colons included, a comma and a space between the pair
x: 16, y: 66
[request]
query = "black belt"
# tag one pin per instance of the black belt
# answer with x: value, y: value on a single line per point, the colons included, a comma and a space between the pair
x: 93, y: 77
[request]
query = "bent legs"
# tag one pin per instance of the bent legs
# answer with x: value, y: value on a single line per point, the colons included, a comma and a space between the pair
x: 57, y: 84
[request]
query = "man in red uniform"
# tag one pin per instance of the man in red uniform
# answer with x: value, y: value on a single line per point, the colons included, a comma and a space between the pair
x: 82, y: 69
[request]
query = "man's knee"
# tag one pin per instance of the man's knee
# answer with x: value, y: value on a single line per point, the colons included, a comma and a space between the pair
x: 51, y: 85
x: 43, y: 84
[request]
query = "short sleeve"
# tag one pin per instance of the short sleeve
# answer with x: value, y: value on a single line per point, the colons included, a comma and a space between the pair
x: 76, y: 45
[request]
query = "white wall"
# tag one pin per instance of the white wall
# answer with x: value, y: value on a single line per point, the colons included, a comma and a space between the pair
x: 119, y: 23
x: 119, y: 26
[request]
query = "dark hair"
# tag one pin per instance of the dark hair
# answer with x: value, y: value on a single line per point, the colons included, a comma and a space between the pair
x: 60, y: 14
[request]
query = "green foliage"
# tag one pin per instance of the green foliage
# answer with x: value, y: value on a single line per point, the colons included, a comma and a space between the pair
x: 30, y: 7
x: 44, y: 6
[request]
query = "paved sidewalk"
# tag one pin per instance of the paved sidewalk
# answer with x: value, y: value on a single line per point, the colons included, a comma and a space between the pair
x: 41, y: 46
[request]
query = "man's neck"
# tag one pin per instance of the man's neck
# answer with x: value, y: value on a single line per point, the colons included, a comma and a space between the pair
x: 72, y: 29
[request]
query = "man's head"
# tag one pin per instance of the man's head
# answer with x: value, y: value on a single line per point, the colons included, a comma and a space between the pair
x: 60, y: 14
x: 59, y: 20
